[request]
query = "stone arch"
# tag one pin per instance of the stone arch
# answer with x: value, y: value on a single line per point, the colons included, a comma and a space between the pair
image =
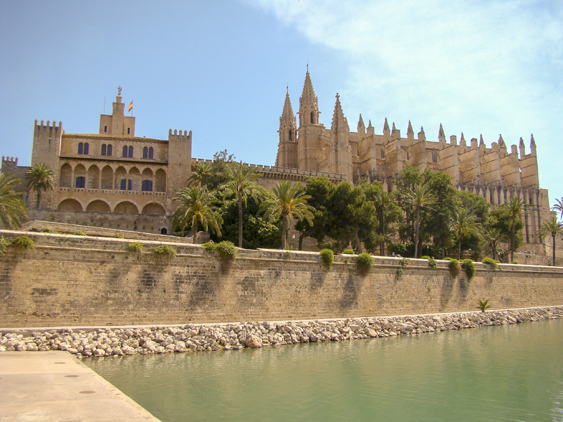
x: 160, y: 180
x: 134, y: 175
x: 147, y: 173
x: 154, y: 208
x: 98, y: 206
x: 66, y: 176
x: 80, y: 176
x: 107, y: 177
x: 126, y: 207
x: 120, y: 174
x: 70, y: 205
x: 93, y: 177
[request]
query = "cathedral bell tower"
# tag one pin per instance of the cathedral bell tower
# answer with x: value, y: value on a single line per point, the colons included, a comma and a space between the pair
x: 287, y: 146
x: 308, y: 143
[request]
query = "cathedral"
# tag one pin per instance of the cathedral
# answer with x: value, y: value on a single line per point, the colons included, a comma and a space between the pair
x: 495, y: 173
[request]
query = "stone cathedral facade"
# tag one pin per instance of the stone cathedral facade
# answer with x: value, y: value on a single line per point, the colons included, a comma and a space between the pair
x: 494, y: 172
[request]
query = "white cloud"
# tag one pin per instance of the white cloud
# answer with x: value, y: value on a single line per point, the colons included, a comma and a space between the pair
x: 476, y: 66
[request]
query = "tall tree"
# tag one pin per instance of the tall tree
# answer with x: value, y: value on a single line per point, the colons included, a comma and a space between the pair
x: 420, y: 198
x: 463, y: 223
x: 40, y: 177
x: 12, y: 206
x: 491, y: 237
x: 200, y: 175
x: 515, y: 207
x: 558, y: 206
x: 319, y: 189
x: 287, y: 200
x: 242, y: 183
x: 553, y: 228
x: 196, y: 207
x: 386, y: 209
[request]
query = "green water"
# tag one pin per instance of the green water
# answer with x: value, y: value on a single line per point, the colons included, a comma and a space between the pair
x: 507, y: 373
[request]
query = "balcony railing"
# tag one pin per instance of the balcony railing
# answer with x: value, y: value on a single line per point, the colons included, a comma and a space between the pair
x: 111, y: 191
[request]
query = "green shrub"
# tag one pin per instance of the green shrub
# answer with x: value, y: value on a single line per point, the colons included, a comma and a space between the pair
x: 364, y: 261
x: 327, y: 256
x: 119, y: 236
x: 3, y: 244
x: 483, y: 305
x: 424, y: 257
x: 490, y: 261
x: 227, y: 249
x: 404, y: 262
x: 165, y: 251
x: 455, y: 268
x: 135, y: 247
x: 448, y: 258
x: 46, y: 230
x: 348, y: 252
x: 209, y: 246
x: 514, y: 262
x: 432, y: 263
x: 399, y: 273
x: 80, y: 233
x: 287, y: 255
x: 469, y: 268
x: 23, y: 242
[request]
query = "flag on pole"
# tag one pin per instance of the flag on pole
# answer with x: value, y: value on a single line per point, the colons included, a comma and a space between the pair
x: 130, y: 106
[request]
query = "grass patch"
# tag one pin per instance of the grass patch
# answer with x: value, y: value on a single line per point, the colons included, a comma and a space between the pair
x: 469, y: 268
x: 364, y: 261
x: 135, y: 247
x: 119, y: 236
x: 165, y: 251
x: 327, y: 256
x: 455, y: 267
x: 23, y: 242
x: 80, y: 233
x: 348, y: 252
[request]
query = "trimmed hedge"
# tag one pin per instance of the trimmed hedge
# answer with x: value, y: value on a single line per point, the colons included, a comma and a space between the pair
x: 469, y: 268
x: 364, y: 261
x: 327, y: 256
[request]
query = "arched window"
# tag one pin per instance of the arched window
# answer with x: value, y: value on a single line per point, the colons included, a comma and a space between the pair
x: 125, y: 151
x: 105, y: 128
x: 80, y: 182
x: 109, y: 150
x: 104, y: 149
x: 126, y: 184
x: 131, y: 152
x: 81, y: 148
x: 163, y: 231
x: 128, y: 131
x: 312, y: 117
x: 145, y: 152
x: 86, y: 148
x: 434, y: 158
x: 151, y: 152
x: 146, y: 186
x: 382, y: 153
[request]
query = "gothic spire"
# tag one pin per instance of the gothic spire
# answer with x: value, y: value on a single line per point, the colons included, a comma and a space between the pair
x: 338, y: 119
x: 386, y: 126
x: 409, y: 129
x: 501, y: 142
x: 481, y: 142
x: 441, y: 134
x: 287, y: 116
x: 308, y: 103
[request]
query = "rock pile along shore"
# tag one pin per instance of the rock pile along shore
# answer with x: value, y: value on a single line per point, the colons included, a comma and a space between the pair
x: 208, y: 337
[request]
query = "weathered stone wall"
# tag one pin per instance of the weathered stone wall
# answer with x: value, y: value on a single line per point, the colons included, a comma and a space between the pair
x: 80, y: 281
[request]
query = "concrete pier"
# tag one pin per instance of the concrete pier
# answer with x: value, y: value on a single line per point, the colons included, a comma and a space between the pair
x: 55, y: 386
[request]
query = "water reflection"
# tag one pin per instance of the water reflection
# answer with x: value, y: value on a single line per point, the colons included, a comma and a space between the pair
x: 507, y: 373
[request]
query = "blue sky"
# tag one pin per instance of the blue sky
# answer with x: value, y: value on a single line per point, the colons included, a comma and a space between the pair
x: 220, y: 68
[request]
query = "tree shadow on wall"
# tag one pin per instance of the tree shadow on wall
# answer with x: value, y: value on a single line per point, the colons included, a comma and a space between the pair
x: 349, y: 296
x: 446, y: 291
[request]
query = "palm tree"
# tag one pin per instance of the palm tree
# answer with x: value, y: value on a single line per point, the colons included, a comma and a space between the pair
x: 241, y: 183
x: 200, y: 176
x: 552, y: 227
x: 491, y: 236
x: 40, y: 177
x: 419, y: 198
x: 463, y: 222
x: 558, y: 206
x: 382, y: 201
x: 196, y: 207
x: 288, y: 200
x: 515, y: 207
x: 12, y: 206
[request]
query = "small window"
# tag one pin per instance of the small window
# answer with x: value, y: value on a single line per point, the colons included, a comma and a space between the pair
x: 312, y: 117
x: 290, y: 135
x: 382, y: 153
x: 128, y: 131
x: 131, y: 152
x: 104, y: 149
x: 125, y: 152
x: 109, y: 151
x: 151, y: 152
x: 129, y: 185
x: 146, y: 186
x: 408, y: 156
x: 80, y: 182
x: 80, y: 148
x: 105, y: 128
x: 145, y: 152
x: 434, y: 158
x: 86, y: 148
x: 123, y: 185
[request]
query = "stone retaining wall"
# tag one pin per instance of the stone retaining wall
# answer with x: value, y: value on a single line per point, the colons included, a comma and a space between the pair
x: 89, y: 281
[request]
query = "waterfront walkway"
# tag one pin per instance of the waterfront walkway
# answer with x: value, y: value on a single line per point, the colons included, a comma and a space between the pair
x: 55, y: 386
